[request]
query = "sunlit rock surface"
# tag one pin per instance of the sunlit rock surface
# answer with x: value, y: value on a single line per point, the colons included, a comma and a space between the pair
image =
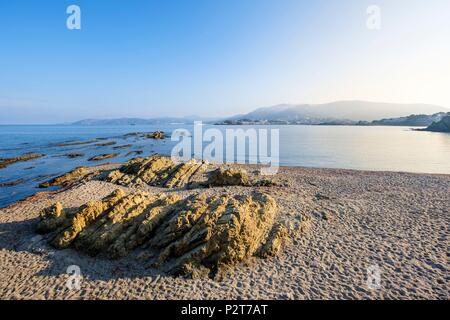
x: 157, y: 171
x: 197, y: 235
x: 66, y: 178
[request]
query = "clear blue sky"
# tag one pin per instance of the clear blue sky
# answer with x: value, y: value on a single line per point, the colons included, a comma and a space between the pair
x: 149, y: 58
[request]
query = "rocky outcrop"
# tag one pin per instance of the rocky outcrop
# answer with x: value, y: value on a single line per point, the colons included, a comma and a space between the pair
x: 157, y: 171
x: 441, y: 126
x: 190, y: 236
x: 228, y: 177
x: 4, y: 162
x: 66, y: 178
x: 103, y: 156
x: 52, y: 218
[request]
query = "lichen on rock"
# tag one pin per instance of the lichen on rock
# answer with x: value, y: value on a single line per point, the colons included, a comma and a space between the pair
x: 176, y: 235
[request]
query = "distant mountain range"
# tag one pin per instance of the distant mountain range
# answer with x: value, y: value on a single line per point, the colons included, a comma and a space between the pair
x: 140, y: 121
x: 335, y: 113
x: 341, y: 112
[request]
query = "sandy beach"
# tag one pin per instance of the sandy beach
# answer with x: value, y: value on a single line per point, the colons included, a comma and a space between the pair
x: 397, y: 222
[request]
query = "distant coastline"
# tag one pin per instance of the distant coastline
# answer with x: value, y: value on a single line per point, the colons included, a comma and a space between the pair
x: 421, y: 120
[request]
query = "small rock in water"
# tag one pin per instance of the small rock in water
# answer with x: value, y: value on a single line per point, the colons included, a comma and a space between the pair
x: 103, y: 156
x: 136, y: 153
x: 12, y: 183
x: 4, y: 162
x: 158, y: 135
x: 106, y: 144
x: 73, y: 155
x: 126, y: 146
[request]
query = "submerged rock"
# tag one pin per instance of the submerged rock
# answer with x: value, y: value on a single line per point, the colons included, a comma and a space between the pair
x: 106, y: 144
x: 103, y: 156
x: 157, y: 171
x: 76, y: 143
x: 179, y: 236
x: 126, y: 146
x: 4, y: 162
x: 65, y: 178
x: 73, y: 155
x: 12, y: 183
x: 134, y: 153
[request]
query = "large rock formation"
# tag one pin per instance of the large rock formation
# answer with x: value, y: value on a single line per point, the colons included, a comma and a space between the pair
x: 197, y: 234
x: 157, y: 171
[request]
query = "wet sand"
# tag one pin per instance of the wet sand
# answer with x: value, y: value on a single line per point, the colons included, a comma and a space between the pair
x: 396, y: 222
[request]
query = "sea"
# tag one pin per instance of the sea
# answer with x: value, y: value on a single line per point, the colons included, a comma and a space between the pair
x: 399, y: 149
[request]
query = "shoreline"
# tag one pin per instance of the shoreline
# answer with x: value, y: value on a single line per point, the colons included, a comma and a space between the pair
x: 291, y: 167
x: 398, y: 221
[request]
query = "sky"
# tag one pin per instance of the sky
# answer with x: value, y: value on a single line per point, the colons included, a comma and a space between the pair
x: 214, y: 58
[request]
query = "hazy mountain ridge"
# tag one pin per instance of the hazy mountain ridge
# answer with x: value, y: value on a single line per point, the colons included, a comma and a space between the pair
x: 141, y: 121
x: 335, y: 113
x: 341, y: 111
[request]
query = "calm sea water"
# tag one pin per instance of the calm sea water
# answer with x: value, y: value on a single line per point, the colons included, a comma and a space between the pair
x: 362, y: 148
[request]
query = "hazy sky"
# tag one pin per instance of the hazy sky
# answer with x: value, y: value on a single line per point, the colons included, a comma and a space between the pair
x: 216, y: 57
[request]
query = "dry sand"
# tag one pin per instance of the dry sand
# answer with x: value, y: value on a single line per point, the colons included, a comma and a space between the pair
x: 396, y: 221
